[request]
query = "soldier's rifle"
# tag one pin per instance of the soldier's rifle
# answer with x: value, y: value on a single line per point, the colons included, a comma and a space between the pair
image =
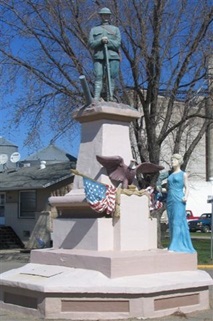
x: 108, y: 71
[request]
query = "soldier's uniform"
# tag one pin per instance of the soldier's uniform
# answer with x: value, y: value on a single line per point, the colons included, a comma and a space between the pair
x: 95, y: 42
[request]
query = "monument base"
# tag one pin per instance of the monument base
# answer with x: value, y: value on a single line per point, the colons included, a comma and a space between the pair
x: 134, y: 230
x: 57, y: 292
x: 116, y: 264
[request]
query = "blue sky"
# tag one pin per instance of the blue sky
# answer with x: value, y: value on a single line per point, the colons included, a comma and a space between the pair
x: 69, y: 144
x: 18, y: 135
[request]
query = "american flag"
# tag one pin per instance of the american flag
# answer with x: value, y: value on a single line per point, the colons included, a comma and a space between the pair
x: 100, y: 197
x: 155, y: 203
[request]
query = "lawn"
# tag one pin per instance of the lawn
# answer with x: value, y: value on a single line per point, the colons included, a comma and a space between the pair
x: 202, y: 246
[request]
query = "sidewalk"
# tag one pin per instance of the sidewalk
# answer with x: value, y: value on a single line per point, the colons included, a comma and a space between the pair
x: 12, y: 259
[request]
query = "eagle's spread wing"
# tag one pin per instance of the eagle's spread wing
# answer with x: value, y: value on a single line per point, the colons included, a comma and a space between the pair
x: 148, y: 168
x: 115, y: 167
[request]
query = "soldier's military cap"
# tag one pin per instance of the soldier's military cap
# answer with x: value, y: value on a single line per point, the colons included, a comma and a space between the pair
x: 105, y: 11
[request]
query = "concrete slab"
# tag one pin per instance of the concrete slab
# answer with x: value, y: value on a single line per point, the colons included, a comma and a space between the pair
x: 69, y: 293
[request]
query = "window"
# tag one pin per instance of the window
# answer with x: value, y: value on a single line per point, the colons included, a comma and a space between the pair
x: 27, y: 204
x: 2, y: 204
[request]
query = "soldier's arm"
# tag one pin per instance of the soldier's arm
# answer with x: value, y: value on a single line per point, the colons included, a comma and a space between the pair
x: 92, y: 42
x: 115, y: 43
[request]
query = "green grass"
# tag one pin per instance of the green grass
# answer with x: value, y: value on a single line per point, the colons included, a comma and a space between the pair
x: 199, y: 234
x: 202, y: 246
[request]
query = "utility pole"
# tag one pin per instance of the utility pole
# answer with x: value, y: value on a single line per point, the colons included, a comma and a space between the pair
x: 209, y: 142
x: 210, y: 200
x: 209, y: 114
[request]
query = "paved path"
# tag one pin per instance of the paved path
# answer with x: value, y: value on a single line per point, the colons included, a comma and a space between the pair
x: 14, y: 259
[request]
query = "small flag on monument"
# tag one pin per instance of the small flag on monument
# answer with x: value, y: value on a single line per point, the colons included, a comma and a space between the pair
x: 101, y: 197
x: 155, y: 201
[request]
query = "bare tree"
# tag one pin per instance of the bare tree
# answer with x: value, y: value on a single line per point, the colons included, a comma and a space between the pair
x: 165, y: 46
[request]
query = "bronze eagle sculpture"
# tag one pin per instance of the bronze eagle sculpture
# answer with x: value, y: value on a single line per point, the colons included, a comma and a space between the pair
x: 125, y: 174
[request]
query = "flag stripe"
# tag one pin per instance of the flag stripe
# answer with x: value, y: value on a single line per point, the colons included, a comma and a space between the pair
x: 100, y: 197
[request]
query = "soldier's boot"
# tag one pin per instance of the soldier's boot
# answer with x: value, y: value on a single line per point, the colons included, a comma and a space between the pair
x: 98, y: 89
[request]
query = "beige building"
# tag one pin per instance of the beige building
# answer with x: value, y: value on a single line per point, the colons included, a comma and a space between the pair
x: 200, y: 165
x: 25, y: 190
x: 197, y: 168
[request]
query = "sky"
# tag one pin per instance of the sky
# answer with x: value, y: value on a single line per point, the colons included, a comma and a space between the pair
x: 17, y: 137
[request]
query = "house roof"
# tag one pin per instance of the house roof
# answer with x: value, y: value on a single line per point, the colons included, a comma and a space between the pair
x: 52, y: 154
x: 5, y: 142
x: 35, y: 178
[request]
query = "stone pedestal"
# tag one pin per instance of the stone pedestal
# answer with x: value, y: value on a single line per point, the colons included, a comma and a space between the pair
x: 58, y: 292
x: 134, y: 230
x: 104, y: 267
x: 105, y: 131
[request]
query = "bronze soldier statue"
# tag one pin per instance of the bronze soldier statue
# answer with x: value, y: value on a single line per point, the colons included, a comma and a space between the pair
x: 105, y: 40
